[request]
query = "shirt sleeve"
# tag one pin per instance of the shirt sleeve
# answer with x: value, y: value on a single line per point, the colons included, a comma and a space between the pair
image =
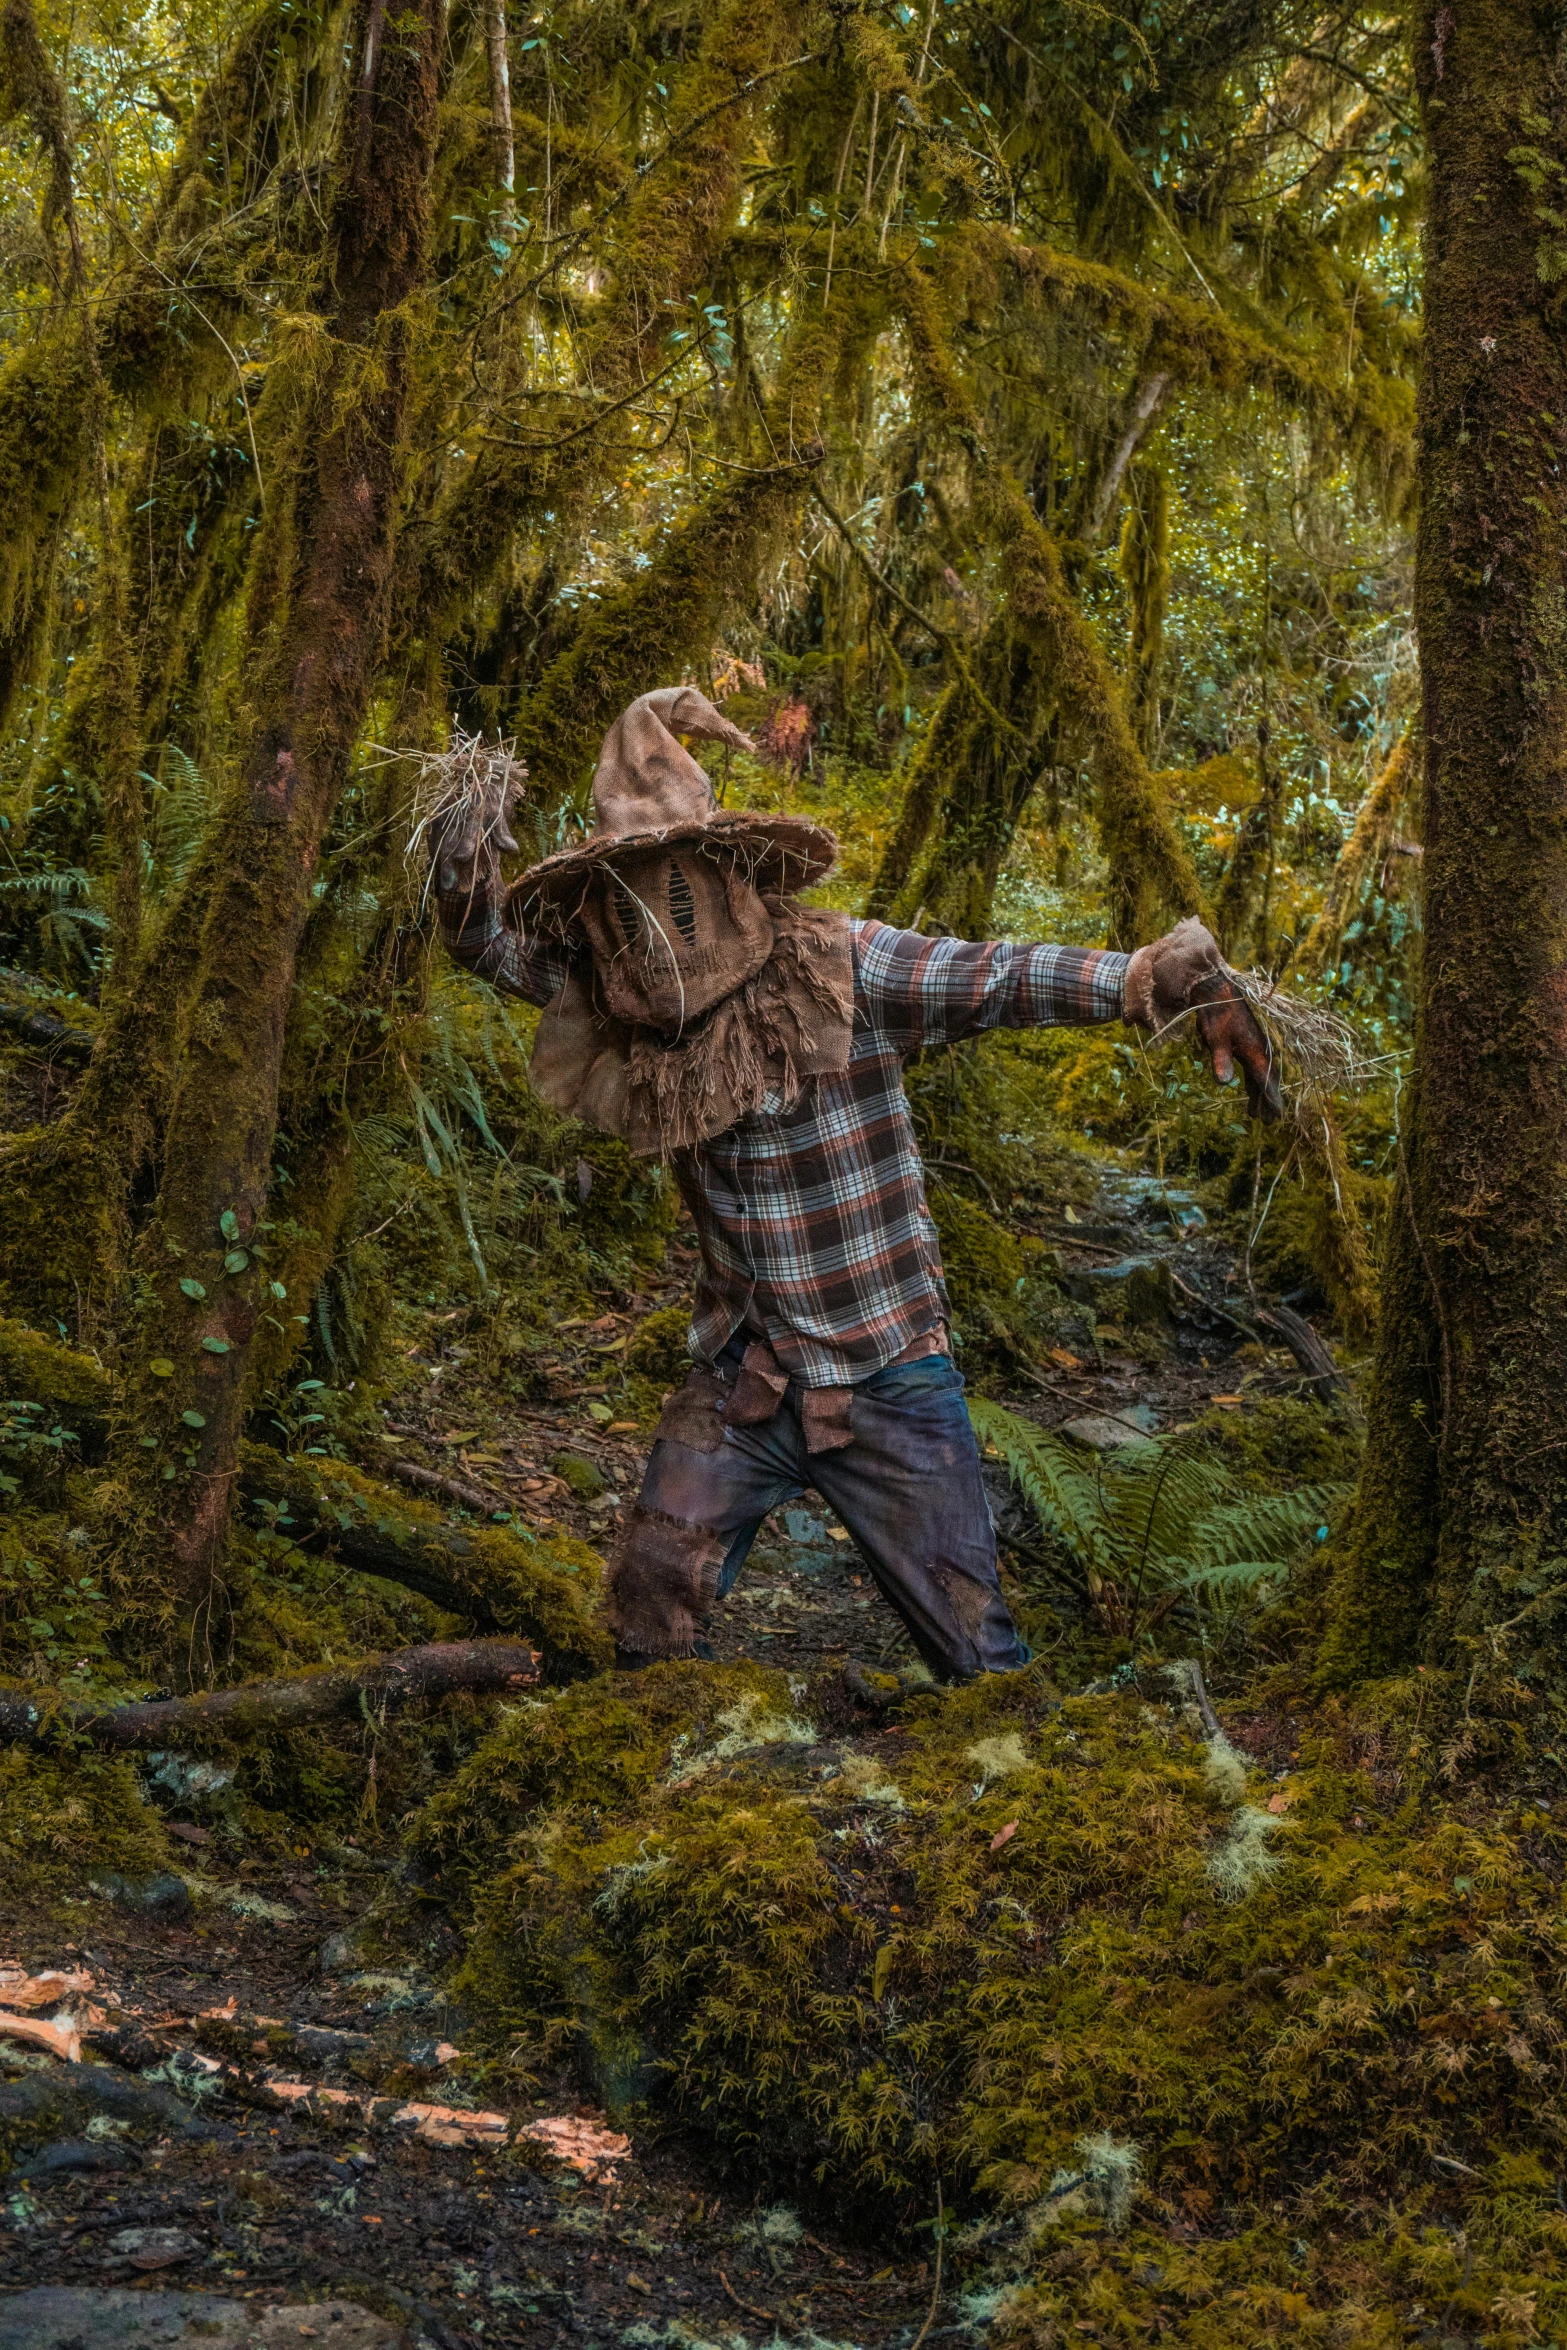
x: 474, y: 933
x: 924, y: 991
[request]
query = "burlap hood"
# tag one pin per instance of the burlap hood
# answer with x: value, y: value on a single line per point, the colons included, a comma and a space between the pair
x: 648, y: 792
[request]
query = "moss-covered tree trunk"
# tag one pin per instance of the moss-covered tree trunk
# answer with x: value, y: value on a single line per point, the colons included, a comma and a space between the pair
x: 1461, y: 1522
x: 317, y: 635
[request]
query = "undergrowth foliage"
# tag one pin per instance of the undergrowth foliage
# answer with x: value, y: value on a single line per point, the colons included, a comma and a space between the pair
x: 1160, y: 1527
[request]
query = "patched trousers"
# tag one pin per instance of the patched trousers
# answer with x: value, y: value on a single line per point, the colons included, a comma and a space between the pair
x: 902, y: 1474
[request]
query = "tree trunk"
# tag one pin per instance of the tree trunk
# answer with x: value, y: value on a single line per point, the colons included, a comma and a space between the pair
x: 1461, y: 1519
x: 316, y: 637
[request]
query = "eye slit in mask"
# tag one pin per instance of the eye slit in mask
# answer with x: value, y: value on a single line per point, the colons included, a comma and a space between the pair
x: 628, y: 912
x: 682, y: 905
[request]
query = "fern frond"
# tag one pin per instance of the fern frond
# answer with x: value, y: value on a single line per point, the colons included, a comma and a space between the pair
x: 64, y: 882
x: 1263, y: 1525
x: 1050, y: 1475
x: 1162, y: 1518
x: 181, y: 808
x: 1153, y: 1496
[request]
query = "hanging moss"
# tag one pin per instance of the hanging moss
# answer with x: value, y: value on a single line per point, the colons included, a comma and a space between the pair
x: 1145, y: 568
x: 1365, y: 847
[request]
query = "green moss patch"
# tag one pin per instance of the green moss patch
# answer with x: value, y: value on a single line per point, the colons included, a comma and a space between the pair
x: 1303, y: 2008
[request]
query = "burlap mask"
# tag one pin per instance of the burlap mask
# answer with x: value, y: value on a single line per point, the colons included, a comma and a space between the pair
x: 672, y: 934
x: 700, y: 988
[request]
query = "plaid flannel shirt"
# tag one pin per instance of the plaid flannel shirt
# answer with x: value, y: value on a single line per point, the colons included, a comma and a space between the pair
x: 812, y: 1222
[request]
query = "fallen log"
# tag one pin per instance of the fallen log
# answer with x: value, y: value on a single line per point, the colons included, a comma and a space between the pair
x: 499, y: 1578
x: 410, y: 1676
x: 46, y: 1030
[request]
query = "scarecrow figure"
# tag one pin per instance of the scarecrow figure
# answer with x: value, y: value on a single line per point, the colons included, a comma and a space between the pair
x: 694, y: 1007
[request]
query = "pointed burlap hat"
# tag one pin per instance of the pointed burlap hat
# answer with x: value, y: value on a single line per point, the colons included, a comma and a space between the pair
x: 649, y: 793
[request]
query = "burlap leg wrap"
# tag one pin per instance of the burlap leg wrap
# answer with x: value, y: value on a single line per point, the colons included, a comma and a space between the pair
x: 662, y: 1581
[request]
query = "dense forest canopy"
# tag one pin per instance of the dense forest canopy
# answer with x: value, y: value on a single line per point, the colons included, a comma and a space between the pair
x: 1108, y: 461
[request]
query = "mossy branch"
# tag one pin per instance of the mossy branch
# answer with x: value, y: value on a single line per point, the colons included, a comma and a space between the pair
x: 380, y: 1685
x: 651, y: 629
x: 1373, y: 830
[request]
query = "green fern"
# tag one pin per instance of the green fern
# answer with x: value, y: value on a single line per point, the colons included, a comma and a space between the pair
x: 1050, y: 1475
x: 181, y: 806
x: 1161, y: 1522
x: 61, y: 883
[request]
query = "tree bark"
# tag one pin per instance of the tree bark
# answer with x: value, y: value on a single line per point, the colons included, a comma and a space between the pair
x: 490, y: 1668
x: 317, y: 633
x: 501, y: 140
x: 1461, y: 1519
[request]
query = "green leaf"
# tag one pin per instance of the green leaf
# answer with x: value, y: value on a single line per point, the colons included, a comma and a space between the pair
x: 161, y: 1367
x: 277, y: 1289
x: 228, y: 1224
x: 216, y: 1346
x: 236, y: 1261
x: 192, y: 1288
x: 601, y: 1412
x: 194, y: 1419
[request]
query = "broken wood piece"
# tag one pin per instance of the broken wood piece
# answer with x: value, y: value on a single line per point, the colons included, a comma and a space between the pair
x: 20, y: 1989
x: 572, y: 2138
x: 1304, y: 1344
x: 409, y: 1676
x: 60, y: 2038
x: 451, y: 2125
x: 1200, y: 1698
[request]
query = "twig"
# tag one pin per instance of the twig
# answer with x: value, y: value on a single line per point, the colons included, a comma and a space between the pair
x: 935, y: 2296
x: 470, y: 1497
x: 750, y: 2307
x: 1200, y: 1698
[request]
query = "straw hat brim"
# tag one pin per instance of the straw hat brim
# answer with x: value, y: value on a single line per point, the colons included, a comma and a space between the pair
x: 785, y: 851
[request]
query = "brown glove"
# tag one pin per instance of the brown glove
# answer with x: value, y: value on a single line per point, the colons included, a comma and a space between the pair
x: 1184, y: 973
x: 468, y: 836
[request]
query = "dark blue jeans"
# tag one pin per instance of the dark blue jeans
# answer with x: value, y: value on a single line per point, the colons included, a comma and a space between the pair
x: 907, y: 1486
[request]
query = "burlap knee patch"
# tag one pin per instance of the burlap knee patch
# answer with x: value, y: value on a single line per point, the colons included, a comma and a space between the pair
x: 662, y: 1581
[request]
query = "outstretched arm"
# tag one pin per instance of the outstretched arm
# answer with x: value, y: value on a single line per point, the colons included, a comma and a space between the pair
x: 1183, y: 976
x: 935, y: 990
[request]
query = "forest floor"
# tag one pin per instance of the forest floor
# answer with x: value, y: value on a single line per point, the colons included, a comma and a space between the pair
x: 336, y: 2187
